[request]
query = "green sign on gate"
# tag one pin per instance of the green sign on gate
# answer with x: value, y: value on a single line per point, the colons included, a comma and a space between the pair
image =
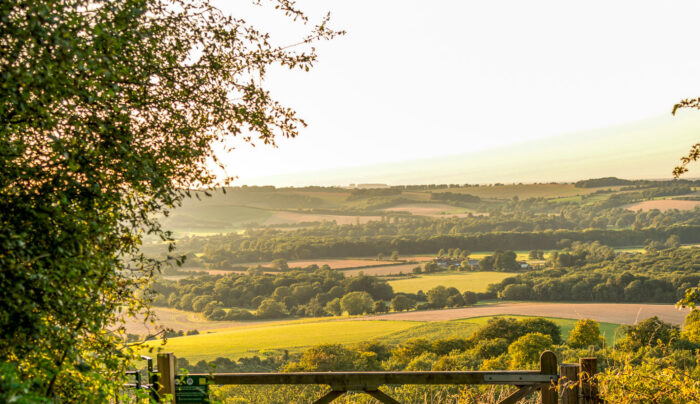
x: 191, y: 389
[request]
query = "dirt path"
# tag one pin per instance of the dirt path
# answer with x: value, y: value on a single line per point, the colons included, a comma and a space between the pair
x: 620, y: 313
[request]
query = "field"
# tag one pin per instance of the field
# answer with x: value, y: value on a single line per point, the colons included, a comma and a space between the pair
x: 179, y: 320
x: 619, y: 313
x: 339, y: 263
x: 472, y: 281
x: 663, y: 205
x: 382, y: 270
x: 298, y: 335
x: 242, y: 341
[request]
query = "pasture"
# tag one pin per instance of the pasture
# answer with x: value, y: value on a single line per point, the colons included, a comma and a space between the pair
x: 472, y: 281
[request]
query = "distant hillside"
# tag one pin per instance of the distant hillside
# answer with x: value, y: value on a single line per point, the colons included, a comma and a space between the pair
x: 602, y: 182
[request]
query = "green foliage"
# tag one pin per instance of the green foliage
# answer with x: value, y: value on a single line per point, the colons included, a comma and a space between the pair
x: 649, y: 382
x: 656, y: 277
x: 525, y: 351
x: 357, y: 303
x: 586, y: 332
x: 510, y: 329
x: 402, y: 303
x: 691, y: 327
x: 649, y: 333
x: 437, y: 296
x: 270, y: 308
x: 94, y: 146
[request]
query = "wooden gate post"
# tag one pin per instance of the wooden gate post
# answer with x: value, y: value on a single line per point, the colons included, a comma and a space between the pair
x: 568, y: 383
x: 587, y: 372
x: 166, y: 379
x: 548, y: 366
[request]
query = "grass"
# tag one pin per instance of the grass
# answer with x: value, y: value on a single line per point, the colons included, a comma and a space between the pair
x: 297, y: 335
x: 472, y: 281
x: 433, y: 330
x: 242, y: 341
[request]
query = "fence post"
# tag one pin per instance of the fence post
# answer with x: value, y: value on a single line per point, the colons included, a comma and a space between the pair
x: 166, y: 379
x: 568, y: 383
x: 548, y: 366
x: 587, y: 372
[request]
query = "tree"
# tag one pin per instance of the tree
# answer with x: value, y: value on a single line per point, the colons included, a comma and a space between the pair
x: 357, y: 303
x: 395, y: 255
x: 437, y: 296
x: 402, y: 303
x: 470, y: 298
x: 694, y: 153
x: 526, y: 350
x: 271, y: 308
x: 109, y: 112
x: 380, y: 306
x: 333, y: 307
x: 586, y: 332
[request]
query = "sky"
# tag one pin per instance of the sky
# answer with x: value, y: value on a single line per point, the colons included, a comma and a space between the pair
x: 421, y: 79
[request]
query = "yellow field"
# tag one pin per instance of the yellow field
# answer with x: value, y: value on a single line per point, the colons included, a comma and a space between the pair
x: 472, y: 281
x: 297, y: 335
x: 294, y: 336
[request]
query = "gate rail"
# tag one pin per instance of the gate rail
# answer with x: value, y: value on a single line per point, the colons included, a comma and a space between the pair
x: 572, y: 383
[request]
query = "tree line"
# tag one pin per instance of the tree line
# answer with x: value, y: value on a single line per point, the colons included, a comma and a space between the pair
x: 651, y: 277
x: 314, y: 292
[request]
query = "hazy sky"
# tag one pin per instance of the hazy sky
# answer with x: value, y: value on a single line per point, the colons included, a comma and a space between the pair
x: 414, y: 79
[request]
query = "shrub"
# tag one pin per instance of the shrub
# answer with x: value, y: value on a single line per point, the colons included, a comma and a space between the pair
x: 525, y: 351
x: 585, y: 333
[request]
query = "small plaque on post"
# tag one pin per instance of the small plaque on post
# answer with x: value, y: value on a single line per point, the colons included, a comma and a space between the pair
x: 191, y: 389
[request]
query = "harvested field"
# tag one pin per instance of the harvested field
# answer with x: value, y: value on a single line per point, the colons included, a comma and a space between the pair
x: 180, y: 320
x: 472, y: 281
x: 618, y: 313
x: 382, y: 270
x: 663, y: 205
x: 335, y: 263
x: 339, y: 263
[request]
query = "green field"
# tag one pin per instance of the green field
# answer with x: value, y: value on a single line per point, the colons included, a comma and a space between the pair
x: 295, y: 336
x: 242, y: 341
x: 472, y: 281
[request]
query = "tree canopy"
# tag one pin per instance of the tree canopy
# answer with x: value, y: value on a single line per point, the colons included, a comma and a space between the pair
x: 108, y: 115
